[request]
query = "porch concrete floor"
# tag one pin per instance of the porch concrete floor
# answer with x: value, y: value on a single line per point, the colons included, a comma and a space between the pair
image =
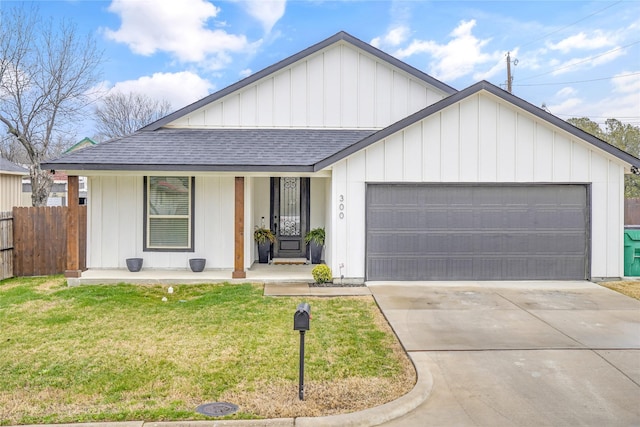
x: 259, y: 273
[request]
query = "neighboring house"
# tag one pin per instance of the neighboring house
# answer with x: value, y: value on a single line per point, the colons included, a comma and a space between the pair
x: 85, y: 142
x: 58, y: 193
x: 10, y: 184
x: 412, y: 179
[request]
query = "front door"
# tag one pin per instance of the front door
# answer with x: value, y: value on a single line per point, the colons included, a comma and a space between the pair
x: 290, y: 216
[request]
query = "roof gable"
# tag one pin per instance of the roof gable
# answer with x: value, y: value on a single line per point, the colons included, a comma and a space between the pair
x: 302, y: 91
x: 83, y: 143
x: 467, y: 93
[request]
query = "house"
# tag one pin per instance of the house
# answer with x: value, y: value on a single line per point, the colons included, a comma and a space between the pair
x: 412, y: 179
x: 58, y: 193
x: 83, y: 143
x: 10, y: 184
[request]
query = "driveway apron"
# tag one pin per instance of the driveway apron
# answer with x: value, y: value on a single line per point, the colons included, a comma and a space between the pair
x: 519, y: 353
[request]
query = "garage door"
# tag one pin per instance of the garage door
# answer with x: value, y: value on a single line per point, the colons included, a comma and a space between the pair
x: 477, y: 232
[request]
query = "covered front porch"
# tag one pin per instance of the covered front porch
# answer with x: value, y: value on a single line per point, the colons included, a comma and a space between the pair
x: 224, y: 211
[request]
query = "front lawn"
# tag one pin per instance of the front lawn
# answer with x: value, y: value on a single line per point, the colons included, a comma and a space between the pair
x: 118, y: 352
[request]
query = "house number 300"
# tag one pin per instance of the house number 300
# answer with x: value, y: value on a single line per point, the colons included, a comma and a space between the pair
x: 341, y: 206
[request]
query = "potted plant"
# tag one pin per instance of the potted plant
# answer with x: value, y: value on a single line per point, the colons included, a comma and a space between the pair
x: 264, y: 238
x: 315, y: 240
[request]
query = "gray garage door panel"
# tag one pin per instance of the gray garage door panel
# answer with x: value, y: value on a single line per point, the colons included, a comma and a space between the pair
x: 486, y: 232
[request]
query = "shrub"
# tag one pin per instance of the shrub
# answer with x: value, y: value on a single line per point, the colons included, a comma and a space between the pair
x: 321, y: 273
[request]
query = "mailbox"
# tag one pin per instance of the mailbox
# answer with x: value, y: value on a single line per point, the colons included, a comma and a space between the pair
x: 302, y: 317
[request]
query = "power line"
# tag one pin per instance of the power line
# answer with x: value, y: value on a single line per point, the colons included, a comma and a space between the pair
x: 601, y: 119
x: 570, y: 25
x: 583, y: 61
x: 579, y: 81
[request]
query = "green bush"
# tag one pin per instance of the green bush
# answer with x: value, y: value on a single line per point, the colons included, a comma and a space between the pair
x: 321, y: 273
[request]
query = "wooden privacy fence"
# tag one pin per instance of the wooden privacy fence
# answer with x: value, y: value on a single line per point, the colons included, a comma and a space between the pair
x: 6, y: 245
x: 40, y: 240
x: 631, y: 211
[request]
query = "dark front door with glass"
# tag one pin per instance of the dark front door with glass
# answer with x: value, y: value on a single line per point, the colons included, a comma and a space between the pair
x: 290, y: 216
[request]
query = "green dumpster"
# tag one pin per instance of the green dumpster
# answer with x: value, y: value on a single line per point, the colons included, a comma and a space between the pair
x: 631, y: 252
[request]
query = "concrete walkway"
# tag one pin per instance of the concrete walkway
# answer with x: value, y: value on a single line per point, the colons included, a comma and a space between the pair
x: 519, y: 353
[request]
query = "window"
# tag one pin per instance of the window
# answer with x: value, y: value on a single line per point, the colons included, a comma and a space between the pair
x: 168, y: 213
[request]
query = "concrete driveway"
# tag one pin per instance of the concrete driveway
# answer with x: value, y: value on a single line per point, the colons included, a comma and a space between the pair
x: 519, y: 353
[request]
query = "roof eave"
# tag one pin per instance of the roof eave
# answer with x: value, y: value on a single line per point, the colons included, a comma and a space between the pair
x: 176, y: 168
x: 18, y: 173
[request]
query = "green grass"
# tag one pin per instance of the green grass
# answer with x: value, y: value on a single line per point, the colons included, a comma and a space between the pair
x: 118, y: 352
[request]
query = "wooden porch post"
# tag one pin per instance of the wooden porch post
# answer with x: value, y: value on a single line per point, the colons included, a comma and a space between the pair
x: 238, y: 265
x: 73, y: 229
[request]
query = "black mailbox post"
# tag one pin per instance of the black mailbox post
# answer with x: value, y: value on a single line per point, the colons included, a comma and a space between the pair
x: 301, y: 323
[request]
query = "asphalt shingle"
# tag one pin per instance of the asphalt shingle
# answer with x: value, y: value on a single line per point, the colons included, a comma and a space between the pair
x: 213, y: 149
x: 7, y: 166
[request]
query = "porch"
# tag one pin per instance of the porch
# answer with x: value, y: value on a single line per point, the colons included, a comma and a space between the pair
x: 258, y: 273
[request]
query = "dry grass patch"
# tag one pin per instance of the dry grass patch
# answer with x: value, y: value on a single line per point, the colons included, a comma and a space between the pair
x: 629, y: 288
x: 280, y: 399
x: 117, y: 353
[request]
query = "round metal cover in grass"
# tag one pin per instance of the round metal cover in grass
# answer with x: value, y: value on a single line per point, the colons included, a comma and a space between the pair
x: 217, y: 409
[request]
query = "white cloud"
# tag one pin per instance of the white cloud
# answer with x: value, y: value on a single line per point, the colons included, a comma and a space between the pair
x: 623, y: 104
x: 459, y: 57
x: 566, y: 91
x: 575, y: 64
x: 393, y: 38
x: 623, y: 108
x: 178, y: 28
x: 180, y: 89
x: 583, y: 41
x: 267, y: 12
x: 627, y: 82
x: 568, y: 107
x: 246, y: 72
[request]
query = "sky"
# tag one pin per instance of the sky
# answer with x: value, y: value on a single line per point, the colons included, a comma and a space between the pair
x: 574, y: 58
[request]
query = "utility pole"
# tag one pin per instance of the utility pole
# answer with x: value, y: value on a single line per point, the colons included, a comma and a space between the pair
x: 509, y: 76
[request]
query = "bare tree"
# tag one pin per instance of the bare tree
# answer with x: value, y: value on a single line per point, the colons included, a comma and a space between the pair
x: 46, y: 73
x: 122, y: 114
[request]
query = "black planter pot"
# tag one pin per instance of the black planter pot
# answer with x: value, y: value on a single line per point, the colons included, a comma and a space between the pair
x: 197, y: 264
x: 263, y: 252
x: 134, y: 264
x: 315, y: 251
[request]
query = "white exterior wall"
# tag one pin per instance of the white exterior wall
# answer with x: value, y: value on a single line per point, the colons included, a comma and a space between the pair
x: 480, y: 140
x: 338, y: 87
x: 116, y: 206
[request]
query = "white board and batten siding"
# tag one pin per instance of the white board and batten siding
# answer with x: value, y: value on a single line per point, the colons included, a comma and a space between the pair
x: 338, y: 87
x: 117, y: 207
x: 481, y: 139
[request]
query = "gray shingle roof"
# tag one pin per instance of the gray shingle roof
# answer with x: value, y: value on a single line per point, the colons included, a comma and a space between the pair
x: 295, y: 150
x: 12, y: 168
